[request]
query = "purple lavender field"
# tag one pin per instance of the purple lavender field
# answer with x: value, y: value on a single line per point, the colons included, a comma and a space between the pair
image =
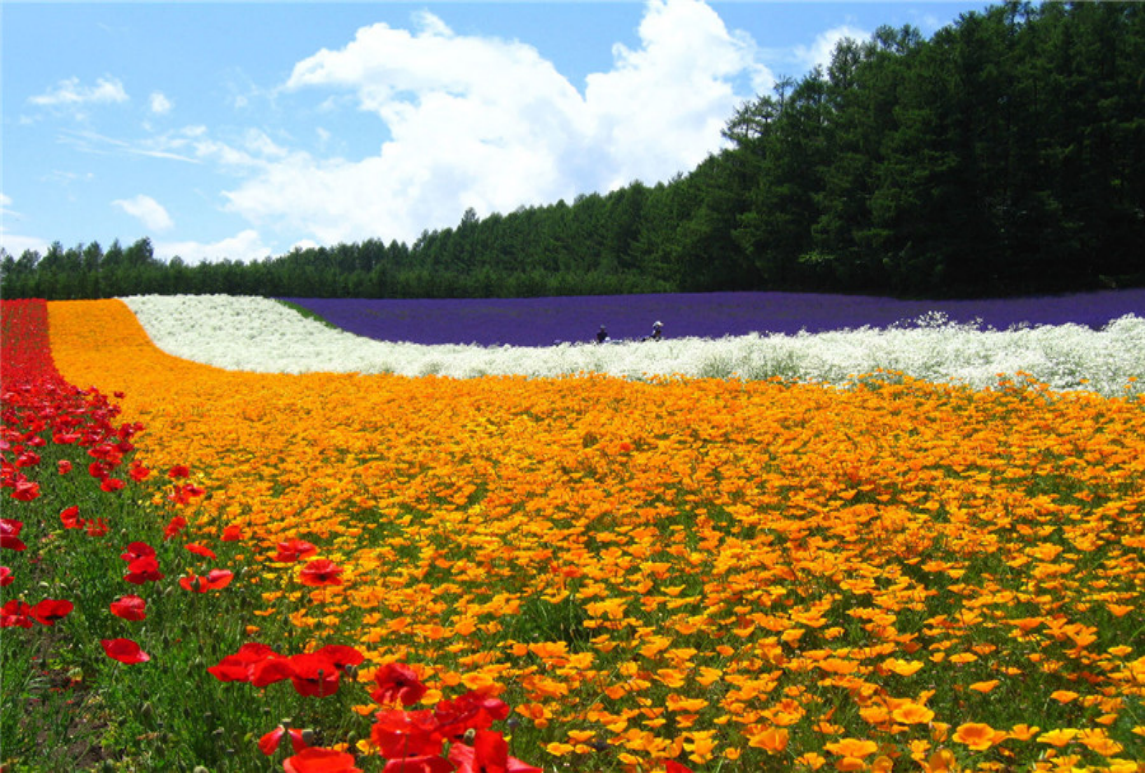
x: 545, y: 321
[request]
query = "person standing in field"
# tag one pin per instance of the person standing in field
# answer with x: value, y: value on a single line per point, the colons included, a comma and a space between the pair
x: 657, y: 330
x: 601, y: 335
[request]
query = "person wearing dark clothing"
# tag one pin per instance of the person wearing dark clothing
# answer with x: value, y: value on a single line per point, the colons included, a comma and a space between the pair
x: 601, y: 335
x: 657, y: 331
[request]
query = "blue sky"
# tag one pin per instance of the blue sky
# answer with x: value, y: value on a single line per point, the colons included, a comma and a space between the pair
x: 242, y: 130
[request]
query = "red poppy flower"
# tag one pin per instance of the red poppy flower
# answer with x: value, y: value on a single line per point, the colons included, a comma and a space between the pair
x: 341, y: 656
x: 64, y: 466
x: 97, y: 470
x: 124, y: 650
x: 216, y: 579
x: 425, y: 764
x: 174, y: 526
x: 129, y: 608
x: 238, y: 667
x: 111, y: 484
x: 268, y: 744
x: 315, y: 675
x: 319, y: 572
x: 14, y: 614
x: 105, y: 453
x: 268, y: 672
x: 232, y: 534
x: 143, y: 570
x: 671, y: 766
x: 138, y: 472
x: 96, y: 527
x: 292, y: 550
x: 49, y: 611
x: 470, y: 711
x: 185, y: 493
x: 399, y: 733
x: 64, y: 439
x: 199, y: 550
x: 319, y: 760
x: 26, y: 490
x: 179, y: 471
x: 488, y: 754
x: 28, y: 459
x: 6, y: 577
x: 10, y: 534
x: 398, y: 682
x: 136, y: 551
x: 70, y: 517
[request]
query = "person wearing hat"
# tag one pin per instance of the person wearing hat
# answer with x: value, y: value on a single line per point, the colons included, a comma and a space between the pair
x: 657, y: 331
x: 601, y: 335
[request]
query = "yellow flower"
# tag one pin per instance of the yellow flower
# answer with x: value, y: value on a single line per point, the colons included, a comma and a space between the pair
x: 984, y: 687
x: 558, y: 749
x: 852, y: 747
x: 977, y: 736
x: 772, y: 740
x: 1059, y: 737
x: 912, y: 714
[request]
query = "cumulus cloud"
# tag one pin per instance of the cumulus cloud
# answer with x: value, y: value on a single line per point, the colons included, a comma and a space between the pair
x: 661, y: 108
x: 489, y: 123
x: 70, y: 93
x: 160, y: 104
x: 147, y: 210
x: 818, y: 54
x: 245, y: 246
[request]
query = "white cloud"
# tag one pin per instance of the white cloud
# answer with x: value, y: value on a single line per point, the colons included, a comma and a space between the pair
x: 69, y: 93
x: 15, y: 244
x: 819, y: 53
x: 158, y: 146
x: 160, y: 104
x: 491, y: 124
x: 661, y: 108
x: 245, y: 246
x: 304, y: 244
x: 149, y: 212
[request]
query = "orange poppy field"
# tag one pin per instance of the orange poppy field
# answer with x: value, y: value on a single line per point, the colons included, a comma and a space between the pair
x: 680, y: 573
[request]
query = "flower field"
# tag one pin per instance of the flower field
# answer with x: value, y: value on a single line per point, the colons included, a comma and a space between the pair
x: 376, y: 571
x: 258, y: 334
x: 542, y: 321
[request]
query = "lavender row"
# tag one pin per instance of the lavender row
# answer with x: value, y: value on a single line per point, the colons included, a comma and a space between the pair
x: 546, y: 321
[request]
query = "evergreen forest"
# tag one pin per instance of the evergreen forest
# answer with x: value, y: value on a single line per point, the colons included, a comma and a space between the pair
x: 1005, y: 155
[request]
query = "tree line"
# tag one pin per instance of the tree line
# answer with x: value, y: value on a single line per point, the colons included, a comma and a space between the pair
x: 1004, y: 155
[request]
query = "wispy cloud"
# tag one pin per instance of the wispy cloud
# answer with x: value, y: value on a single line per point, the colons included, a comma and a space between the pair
x: 70, y: 93
x: 16, y: 244
x: 159, y: 146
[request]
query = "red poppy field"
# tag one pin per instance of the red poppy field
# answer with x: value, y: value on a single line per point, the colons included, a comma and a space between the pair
x: 215, y: 570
